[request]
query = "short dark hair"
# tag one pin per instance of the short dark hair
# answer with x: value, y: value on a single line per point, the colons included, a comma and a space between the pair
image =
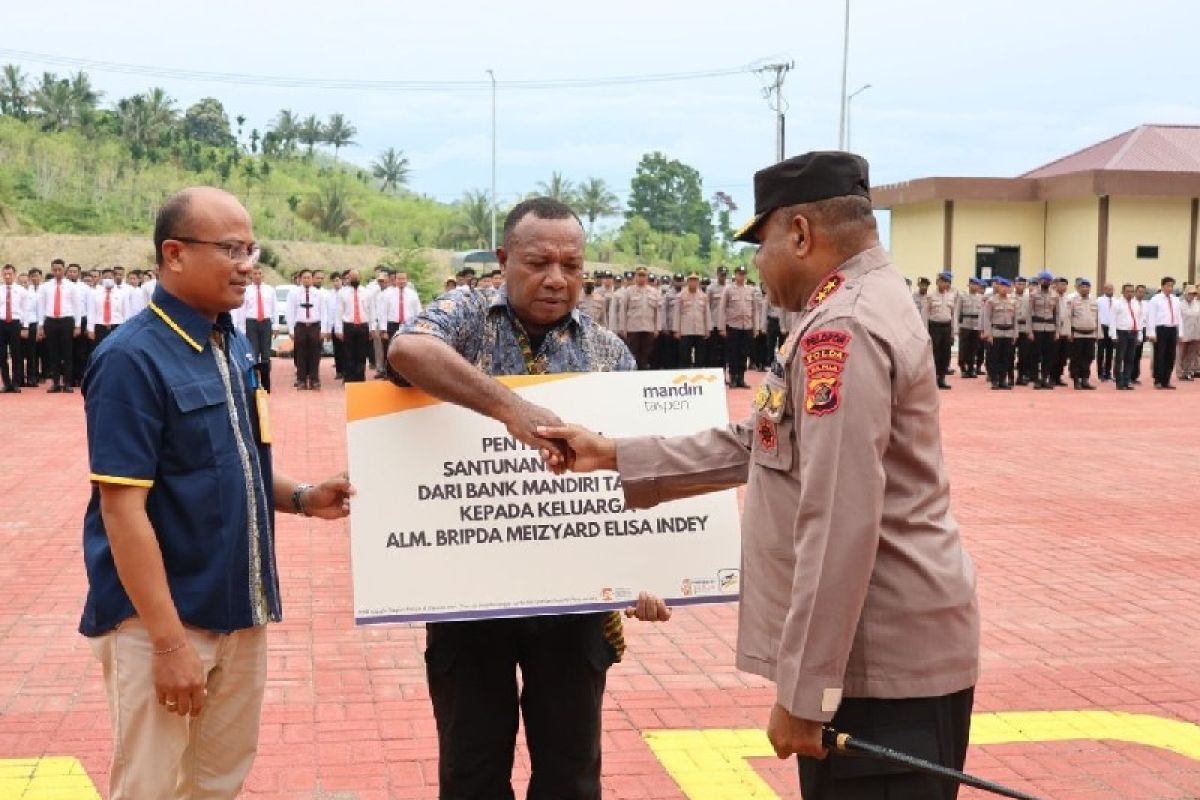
x: 303, y: 272
x: 1140, y: 286
x: 540, y: 207
x: 8, y: 267
x: 58, y: 261
x: 109, y: 270
x: 1125, y: 286
x: 34, y: 271
x: 170, y: 216
x: 1166, y: 280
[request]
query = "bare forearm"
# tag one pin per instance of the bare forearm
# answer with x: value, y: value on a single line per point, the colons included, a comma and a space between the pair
x: 283, y: 489
x: 139, y: 565
x: 432, y: 365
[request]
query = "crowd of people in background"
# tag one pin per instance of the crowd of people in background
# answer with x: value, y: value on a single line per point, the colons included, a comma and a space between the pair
x: 1026, y: 332
x: 1015, y: 332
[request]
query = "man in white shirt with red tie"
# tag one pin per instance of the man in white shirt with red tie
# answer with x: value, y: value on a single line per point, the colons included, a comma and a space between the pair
x: 106, y: 309
x: 1162, y: 329
x: 12, y: 330
x: 60, y: 317
x: 258, y: 311
x: 353, y: 324
x: 310, y: 327
x: 1127, y: 328
x: 395, y: 307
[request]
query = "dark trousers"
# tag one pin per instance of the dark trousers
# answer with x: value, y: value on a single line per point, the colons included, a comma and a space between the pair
x: 1127, y: 347
x: 357, y: 341
x: 1062, y: 349
x: 774, y: 339
x: 933, y: 728
x: 81, y: 349
x: 1167, y: 342
x: 60, y: 338
x: 716, y: 349
x: 737, y: 349
x: 641, y: 344
x: 968, y: 349
x: 666, y: 351
x: 339, y: 357
x: 259, y: 334
x: 1138, y: 352
x: 392, y: 328
x: 1083, y: 353
x: 1000, y: 360
x: 33, y: 373
x: 1045, y: 349
x: 941, y: 335
x: 471, y: 668
x: 306, y: 337
x: 1105, y: 350
x: 759, y: 359
x: 101, y: 333
x: 692, y: 352
x: 1026, y: 358
x: 11, y: 350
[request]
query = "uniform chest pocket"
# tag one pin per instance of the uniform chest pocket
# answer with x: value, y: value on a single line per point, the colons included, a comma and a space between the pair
x: 201, y: 431
x: 773, y: 425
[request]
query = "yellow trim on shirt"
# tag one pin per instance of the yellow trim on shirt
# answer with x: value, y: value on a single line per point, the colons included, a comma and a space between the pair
x: 140, y: 482
x: 173, y: 325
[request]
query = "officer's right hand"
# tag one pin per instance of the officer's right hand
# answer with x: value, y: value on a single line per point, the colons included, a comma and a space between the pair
x: 179, y: 681
x: 589, y: 451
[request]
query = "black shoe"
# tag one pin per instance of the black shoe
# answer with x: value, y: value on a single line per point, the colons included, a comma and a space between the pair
x: 11, y: 390
x: 1083, y: 384
x: 950, y: 371
x: 1059, y: 382
x: 315, y: 386
x: 1167, y: 386
x: 1021, y: 381
x: 68, y: 390
x: 1136, y: 382
x: 996, y: 386
x: 941, y: 384
x: 55, y: 389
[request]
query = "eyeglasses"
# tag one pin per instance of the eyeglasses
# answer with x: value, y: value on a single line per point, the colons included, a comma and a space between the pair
x: 237, y: 252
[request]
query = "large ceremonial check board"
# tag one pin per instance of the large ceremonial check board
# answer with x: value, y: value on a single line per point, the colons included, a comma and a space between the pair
x: 456, y: 520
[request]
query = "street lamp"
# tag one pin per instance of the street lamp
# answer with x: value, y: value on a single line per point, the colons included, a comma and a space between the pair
x: 492, y: 75
x: 853, y: 94
x: 845, y: 65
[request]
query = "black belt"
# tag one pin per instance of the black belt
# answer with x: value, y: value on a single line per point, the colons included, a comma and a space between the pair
x: 309, y: 322
x: 1081, y: 330
x: 932, y: 322
x: 972, y: 316
x: 1002, y: 327
x: 1044, y: 319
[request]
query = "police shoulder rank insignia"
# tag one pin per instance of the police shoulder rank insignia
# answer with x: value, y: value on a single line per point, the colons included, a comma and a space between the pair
x: 825, y: 353
x: 826, y: 289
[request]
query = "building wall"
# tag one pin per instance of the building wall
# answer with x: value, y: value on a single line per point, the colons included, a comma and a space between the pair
x: 1132, y: 221
x: 916, y: 239
x: 1072, y: 228
x: 997, y: 223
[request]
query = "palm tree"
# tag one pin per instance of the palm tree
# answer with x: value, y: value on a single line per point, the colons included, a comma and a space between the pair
x: 14, y: 92
x: 329, y: 212
x: 286, y: 129
x: 474, y: 224
x: 147, y: 120
x: 339, y: 133
x: 84, y: 95
x: 54, y: 103
x: 557, y: 188
x: 595, y: 200
x: 310, y: 132
x: 391, y: 169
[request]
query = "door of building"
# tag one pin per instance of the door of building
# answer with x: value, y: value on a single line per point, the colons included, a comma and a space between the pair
x: 997, y: 261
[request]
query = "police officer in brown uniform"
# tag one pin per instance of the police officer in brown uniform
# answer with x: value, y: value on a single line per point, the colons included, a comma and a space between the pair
x: 593, y: 303
x: 966, y: 321
x: 1081, y: 328
x: 691, y: 323
x: 858, y: 599
x: 1026, y: 366
x: 738, y: 323
x: 998, y: 325
x: 939, y: 316
x: 716, y: 342
x: 1043, y: 318
x: 639, y: 316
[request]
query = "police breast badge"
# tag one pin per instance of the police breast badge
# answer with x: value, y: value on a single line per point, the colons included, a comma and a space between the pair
x: 825, y: 353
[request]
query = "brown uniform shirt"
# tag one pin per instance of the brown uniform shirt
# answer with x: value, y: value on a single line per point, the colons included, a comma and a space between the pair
x: 692, y: 317
x: 1081, y: 318
x: 1043, y: 310
x: 967, y: 310
x: 939, y: 306
x: 998, y: 319
x: 714, y: 291
x: 736, y: 308
x: 639, y: 309
x: 855, y: 581
x: 595, y: 305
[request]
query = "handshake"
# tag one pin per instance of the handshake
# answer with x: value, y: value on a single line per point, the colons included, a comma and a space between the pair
x: 563, y: 447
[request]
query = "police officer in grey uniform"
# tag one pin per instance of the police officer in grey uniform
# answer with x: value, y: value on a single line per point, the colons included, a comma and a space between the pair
x: 998, y: 326
x: 1081, y: 328
x: 1043, y: 318
x: 966, y: 321
x: 939, y: 317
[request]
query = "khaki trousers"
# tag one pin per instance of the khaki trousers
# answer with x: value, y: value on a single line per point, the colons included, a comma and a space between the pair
x: 1188, y: 361
x: 158, y: 755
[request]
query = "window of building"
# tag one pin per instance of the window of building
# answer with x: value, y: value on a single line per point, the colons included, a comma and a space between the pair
x: 1147, y: 251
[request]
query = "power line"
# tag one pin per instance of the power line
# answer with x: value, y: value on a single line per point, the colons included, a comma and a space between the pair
x: 281, y: 81
x: 773, y: 92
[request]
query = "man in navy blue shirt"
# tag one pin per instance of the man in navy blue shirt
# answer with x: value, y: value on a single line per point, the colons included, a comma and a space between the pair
x: 179, y: 534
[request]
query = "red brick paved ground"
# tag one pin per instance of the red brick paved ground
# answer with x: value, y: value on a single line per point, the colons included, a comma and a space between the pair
x: 1079, y: 508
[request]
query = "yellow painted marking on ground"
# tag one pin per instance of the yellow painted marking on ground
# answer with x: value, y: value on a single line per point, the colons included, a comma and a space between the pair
x: 713, y: 765
x: 49, y: 778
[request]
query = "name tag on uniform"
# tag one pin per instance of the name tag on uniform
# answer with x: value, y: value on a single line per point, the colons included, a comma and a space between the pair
x: 264, y: 415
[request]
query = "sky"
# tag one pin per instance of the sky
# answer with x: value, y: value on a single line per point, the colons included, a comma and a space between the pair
x: 974, y: 87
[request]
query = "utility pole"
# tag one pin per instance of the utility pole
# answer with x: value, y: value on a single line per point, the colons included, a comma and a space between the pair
x: 845, y: 67
x: 492, y: 75
x: 773, y: 92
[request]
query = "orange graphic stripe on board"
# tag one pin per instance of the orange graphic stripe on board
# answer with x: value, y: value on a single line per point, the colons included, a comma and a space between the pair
x: 377, y: 398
